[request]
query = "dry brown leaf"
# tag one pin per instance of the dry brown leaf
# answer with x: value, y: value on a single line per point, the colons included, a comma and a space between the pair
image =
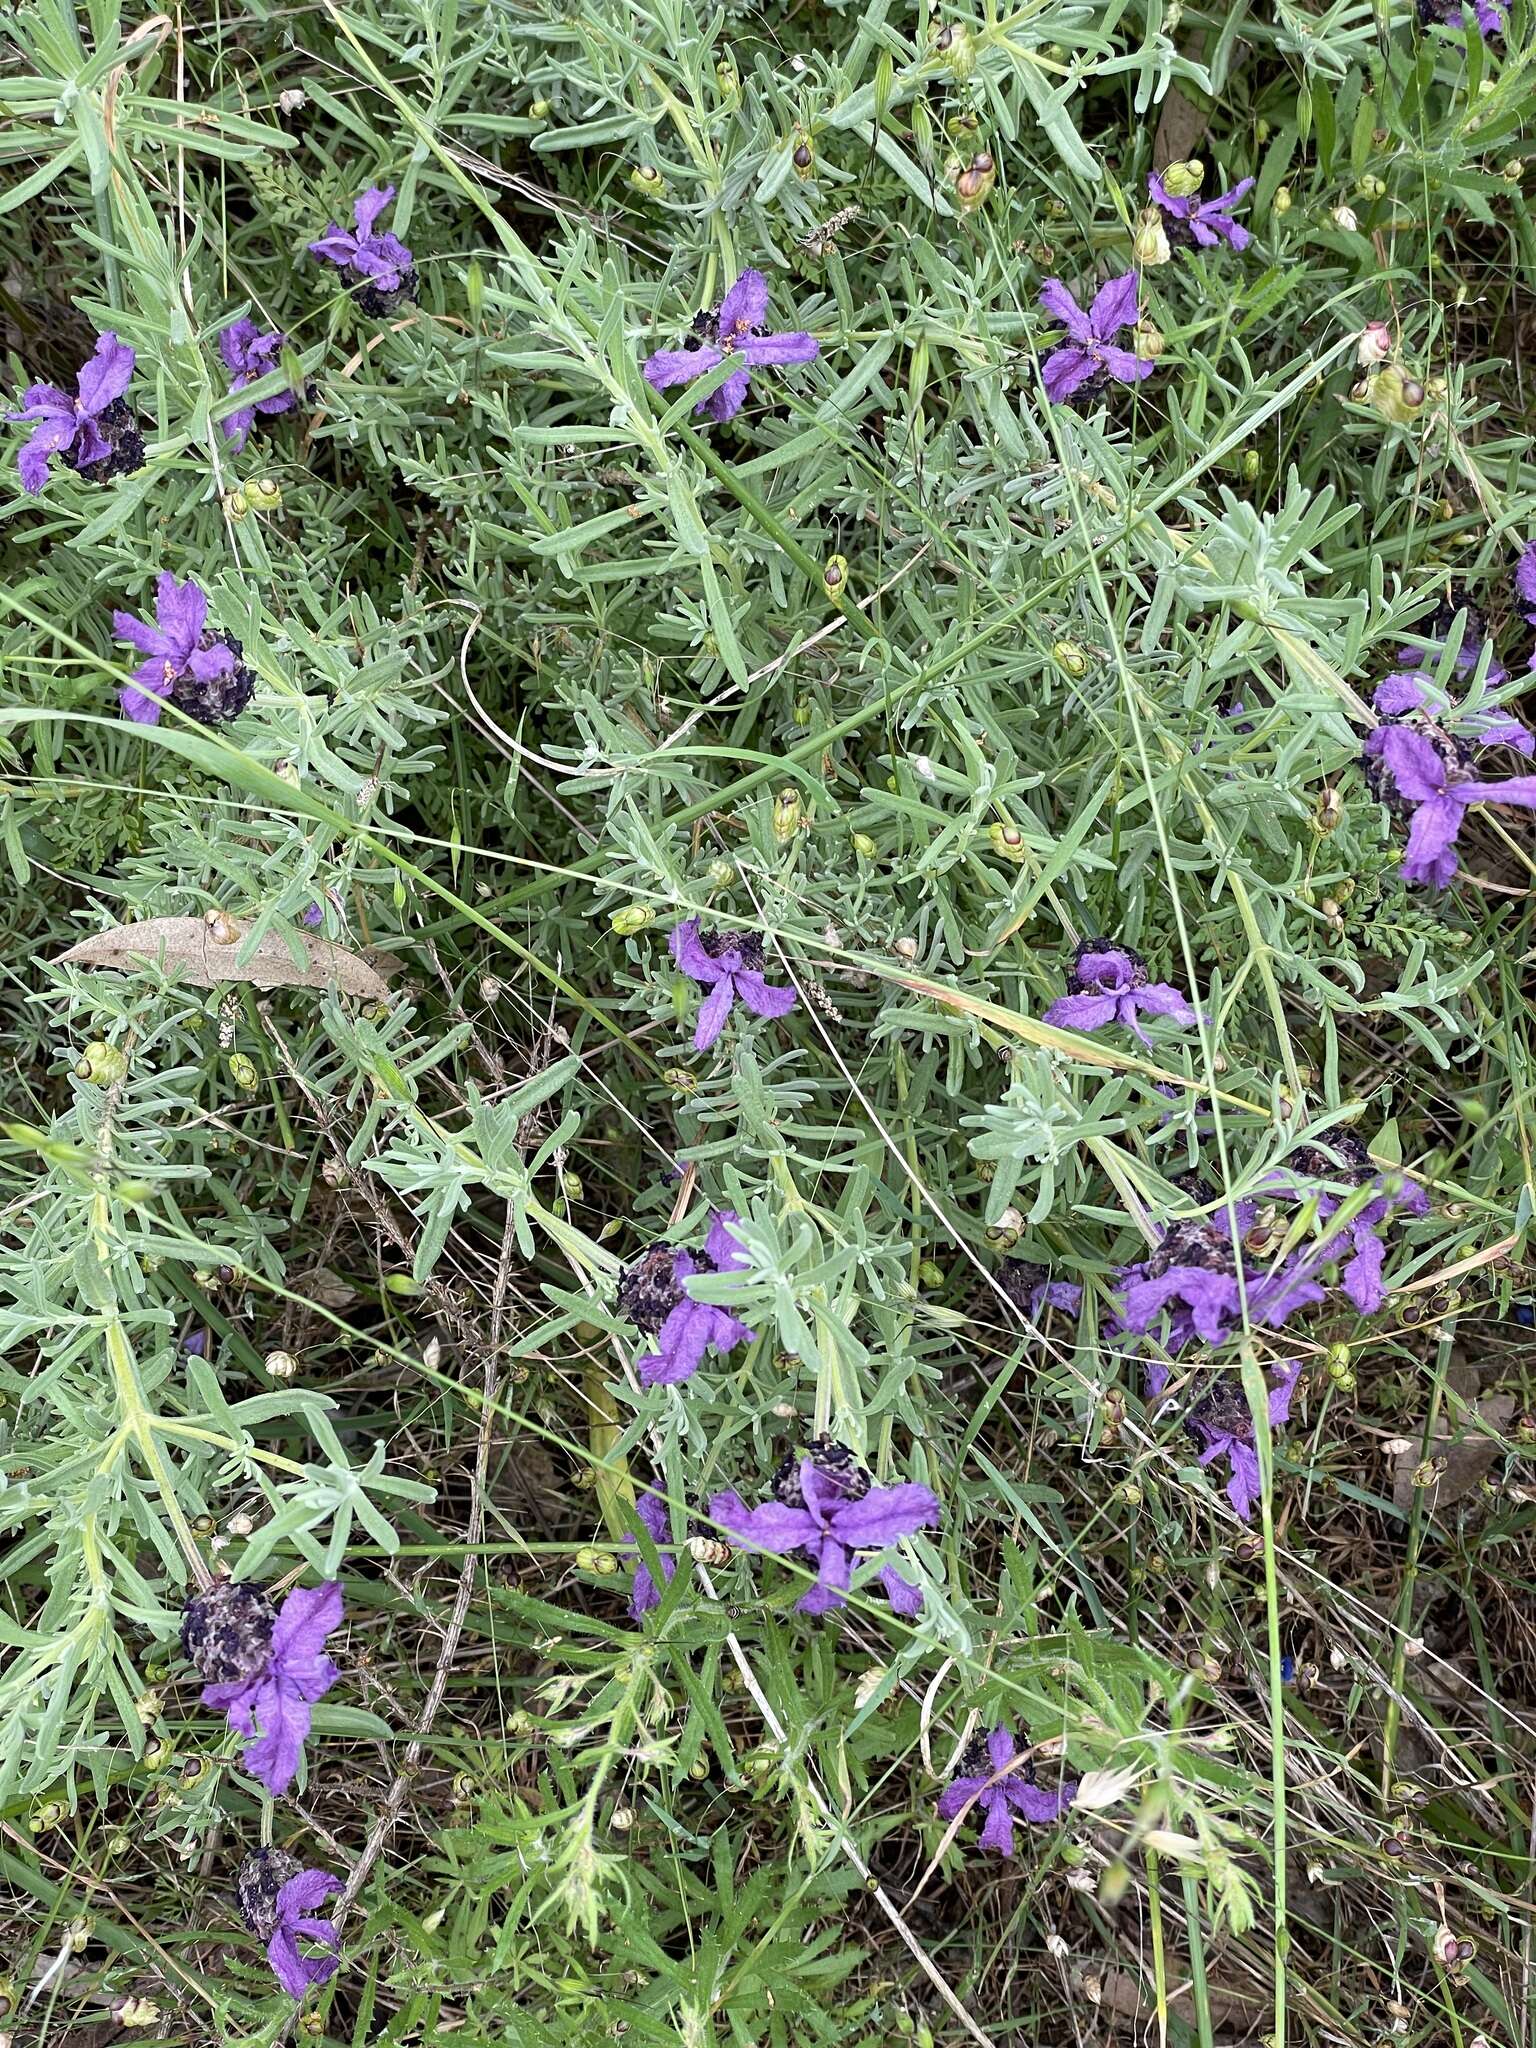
x: 1469, y: 1455
x: 184, y: 946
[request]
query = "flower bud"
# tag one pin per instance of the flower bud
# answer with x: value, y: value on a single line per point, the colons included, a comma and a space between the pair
x: 1281, y: 203
x: 788, y: 813
x: 646, y: 179
x: 834, y: 578
x: 1369, y: 186
x: 242, y: 1071
x: 1008, y: 841
x: 1251, y: 464
x: 634, y: 917
x: 1071, y: 659
x: 720, y: 874
x: 571, y: 1187
x: 1147, y: 339
x: 1346, y: 218
x: 974, y: 182
x: 282, y: 1365
x: 1005, y: 1233
x: 905, y: 948
x: 929, y: 1274
x: 1183, y: 180
x: 540, y: 109
x: 264, y: 494
x: 1150, y: 245
x: 680, y: 1080
x: 1397, y: 398
x: 864, y: 846
x: 602, y: 1562
x: 103, y: 1064
x: 1513, y: 171
x: 952, y: 41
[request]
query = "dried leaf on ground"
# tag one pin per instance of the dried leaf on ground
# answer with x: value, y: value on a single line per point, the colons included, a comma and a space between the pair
x: 185, y: 947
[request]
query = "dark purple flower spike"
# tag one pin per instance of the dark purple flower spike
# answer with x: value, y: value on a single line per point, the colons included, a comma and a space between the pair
x: 1221, y: 1423
x: 265, y: 1669
x: 1204, y: 221
x: 733, y: 333
x: 94, y: 431
x: 1488, y: 14
x: 644, y: 1593
x: 1089, y: 353
x: 197, y: 670
x: 1340, y: 1157
x: 830, y: 1510
x: 1424, y: 771
x: 730, y: 966
x: 654, y: 1294
x: 251, y: 352
x: 278, y: 1900
x: 1032, y: 1290
x: 1107, y: 984
x: 999, y: 1779
x: 1191, y: 1279
x: 381, y: 269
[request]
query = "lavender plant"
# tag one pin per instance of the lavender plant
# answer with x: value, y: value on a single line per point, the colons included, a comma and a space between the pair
x: 766, y: 1188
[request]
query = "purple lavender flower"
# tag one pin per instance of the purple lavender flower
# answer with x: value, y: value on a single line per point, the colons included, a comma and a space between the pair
x: 730, y: 965
x: 1525, y: 581
x: 1342, y: 1158
x: 1206, y: 221
x: 383, y: 269
x: 828, y: 1510
x: 1107, y: 984
x: 1191, y: 1277
x: 734, y: 332
x: 654, y: 1294
x: 1221, y: 1422
x: 1425, y: 772
x: 265, y: 1669
x: 998, y: 1777
x: 1488, y: 14
x: 1406, y: 691
x: 1089, y: 353
x: 277, y: 1898
x: 196, y: 670
x: 195, y: 1344
x: 1032, y: 1290
x: 644, y: 1592
x: 95, y: 430
x: 250, y: 352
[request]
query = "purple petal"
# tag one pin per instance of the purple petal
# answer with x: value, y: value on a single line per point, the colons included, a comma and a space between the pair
x: 885, y: 1514
x: 1245, y: 1485
x: 140, y: 634
x: 830, y: 1590
x: 713, y: 1012
x: 1001, y: 1747
x: 1039, y: 1803
x: 1065, y: 369
x: 721, y: 1246
x: 139, y: 705
x: 295, y: 1972
x: 235, y: 343
x: 1416, y: 768
x: 1362, y: 1276
x: 1525, y: 574
x: 906, y: 1598
x: 761, y: 997
x: 282, y: 1719
x: 997, y: 1835
x: 45, y: 402
x: 182, y: 609
x: 367, y: 209
x: 107, y: 375
x: 335, y: 246
x: 1114, y: 306
x: 1398, y: 693
x: 680, y: 1346
x: 821, y: 1491
x: 1519, y: 789
x: 763, y: 349
x: 689, y: 953
x: 1428, y: 856
x: 669, y: 366
x: 1059, y: 302
x: 52, y: 435
x: 771, y: 1527
x: 1125, y: 365
x: 744, y: 306
x: 307, y: 1617
x: 236, y: 426
x: 1082, y: 1013
x: 301, y: 1894
x: 1160, y: 999
x: 957, y: 1795
x: 1282, y: 1392
x: 724, y: 404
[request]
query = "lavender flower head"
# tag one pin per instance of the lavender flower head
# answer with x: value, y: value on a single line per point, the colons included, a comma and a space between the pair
x: 1488, y: 14
x: 1205, y: 221
x: 1191, y: 1279
x: 1032, y: 1290
x: 94, y: 431
x: 644, y: 1592
x: 1107, y: 984
x: 995, y: 1775
x: 730, y: 966
x: 1525, y: 581
x: 277, y: 1899
x: 734, y: 332
x: 654, y: 1293
x: 1346, y: 1160
x: 1425, y: 774
x: 250, y: 352
x: 383, y: 271
x: 1088, y: 354
x: 827, y: 1509
x: 197, y: 670
x: 1221, y: 1423
x: 264, y: 1668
